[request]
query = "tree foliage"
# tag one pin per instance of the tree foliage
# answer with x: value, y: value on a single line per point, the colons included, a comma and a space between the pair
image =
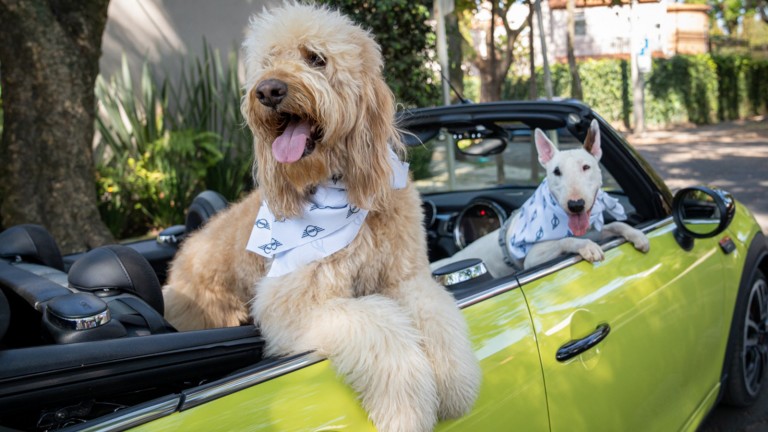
x: 735, y: 15
x: 401, y: 28
x: 499, y: 49
x: 758, y: 6
x: 727, y: 12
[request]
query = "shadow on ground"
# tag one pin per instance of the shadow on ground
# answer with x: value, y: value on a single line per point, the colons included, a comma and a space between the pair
x: 731, y: 155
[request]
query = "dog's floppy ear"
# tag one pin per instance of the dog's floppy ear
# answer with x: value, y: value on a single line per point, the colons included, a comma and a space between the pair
x: 592, y: 143
x: 544, y: 147
x: 368, y: 175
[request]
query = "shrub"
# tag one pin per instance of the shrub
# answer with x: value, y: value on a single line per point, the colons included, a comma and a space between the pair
x: 207, y: 98
x: 126, y: 127
x: 685, y: 88
x: 693, y: 79
x: 419, y: 158
x: 756, y: 85
x: 402, y: 29
x: 155, y: 152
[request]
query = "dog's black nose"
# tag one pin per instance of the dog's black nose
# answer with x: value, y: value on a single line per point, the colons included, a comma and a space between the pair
x: 271, y: 92
x: 576, y: 206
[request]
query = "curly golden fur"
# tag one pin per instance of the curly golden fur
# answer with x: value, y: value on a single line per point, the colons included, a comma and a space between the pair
x: 372, y: 308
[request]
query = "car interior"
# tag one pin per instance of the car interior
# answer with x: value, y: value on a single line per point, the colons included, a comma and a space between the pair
x: 83, y: 335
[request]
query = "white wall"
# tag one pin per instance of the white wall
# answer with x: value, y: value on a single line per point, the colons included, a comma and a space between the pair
x: 607, y: 30
x: 163, y: 31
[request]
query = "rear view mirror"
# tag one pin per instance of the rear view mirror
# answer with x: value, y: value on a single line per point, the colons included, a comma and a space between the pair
x: 480, y: 140
x: 701, y: 212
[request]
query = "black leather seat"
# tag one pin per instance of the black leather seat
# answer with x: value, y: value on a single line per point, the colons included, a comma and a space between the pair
x: 31, y: 243
x: 116, y: 269
x: 203, y: 207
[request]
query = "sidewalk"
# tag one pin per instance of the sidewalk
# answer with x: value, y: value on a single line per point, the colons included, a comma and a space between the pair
x: 731, y: 155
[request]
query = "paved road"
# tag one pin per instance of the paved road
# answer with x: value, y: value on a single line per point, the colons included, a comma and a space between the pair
x: 734, y: 157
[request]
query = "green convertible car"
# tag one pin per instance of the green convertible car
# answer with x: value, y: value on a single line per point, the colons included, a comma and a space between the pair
x: 640, y: 341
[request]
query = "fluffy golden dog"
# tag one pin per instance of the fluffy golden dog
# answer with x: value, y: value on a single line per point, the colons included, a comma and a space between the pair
x: 321, y: 113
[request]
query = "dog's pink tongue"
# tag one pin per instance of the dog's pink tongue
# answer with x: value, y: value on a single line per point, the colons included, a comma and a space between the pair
x: 288, y: 147
x: 578, y: 223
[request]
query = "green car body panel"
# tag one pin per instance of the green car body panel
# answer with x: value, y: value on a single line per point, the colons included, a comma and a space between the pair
x: 654, y: 369
x: 315, y: 398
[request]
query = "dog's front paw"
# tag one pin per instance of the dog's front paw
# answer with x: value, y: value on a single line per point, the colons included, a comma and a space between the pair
x: 458, y: 397
x: 591, y: 251
x: 641, y: 242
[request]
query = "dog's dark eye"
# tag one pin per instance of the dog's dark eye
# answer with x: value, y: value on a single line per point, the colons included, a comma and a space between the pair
x: 315, y: 60
x: 557, y: 171
x: 586, y: 167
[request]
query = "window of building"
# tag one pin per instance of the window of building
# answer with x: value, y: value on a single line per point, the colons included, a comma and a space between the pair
x: 580, y: 24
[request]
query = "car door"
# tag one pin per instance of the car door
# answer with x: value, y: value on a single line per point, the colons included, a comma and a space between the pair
x: 659, y: 366
x: 303, y: 395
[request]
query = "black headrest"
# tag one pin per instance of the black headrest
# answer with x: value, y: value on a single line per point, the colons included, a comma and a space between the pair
x: 32, y: 243
x: 203, y: 207
x: 117, y: 267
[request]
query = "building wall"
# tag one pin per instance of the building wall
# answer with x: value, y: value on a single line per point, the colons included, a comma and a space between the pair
x: 607, y: 30
x: 667, y: 28
x: 163, y: 32
x: 690, y: 28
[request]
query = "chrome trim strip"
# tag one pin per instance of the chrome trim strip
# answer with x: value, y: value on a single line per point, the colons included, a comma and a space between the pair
x: 658, y: 224
x: 493, y: 292
x: 233, y: 384
x: 462, y: 275
x: 133, y: 418
x: 81, y: 323
x: 167, y: 239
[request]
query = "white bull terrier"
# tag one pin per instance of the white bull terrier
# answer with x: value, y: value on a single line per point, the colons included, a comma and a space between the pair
x: 554, y: 220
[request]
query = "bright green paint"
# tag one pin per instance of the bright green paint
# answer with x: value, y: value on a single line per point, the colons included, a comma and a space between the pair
x: 656, y: 366
x: 658, y: 369
x: 511, y: 395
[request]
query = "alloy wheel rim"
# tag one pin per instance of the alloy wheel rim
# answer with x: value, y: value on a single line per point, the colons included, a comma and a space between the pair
x: 754, y: 354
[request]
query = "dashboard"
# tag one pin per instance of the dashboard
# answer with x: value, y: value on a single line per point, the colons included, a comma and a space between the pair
x: 456, y: 219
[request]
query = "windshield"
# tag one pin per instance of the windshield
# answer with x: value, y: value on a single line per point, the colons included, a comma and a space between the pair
x: 439, y: 166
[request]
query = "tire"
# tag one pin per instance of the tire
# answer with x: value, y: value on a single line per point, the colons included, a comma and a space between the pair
x: 748, y: 370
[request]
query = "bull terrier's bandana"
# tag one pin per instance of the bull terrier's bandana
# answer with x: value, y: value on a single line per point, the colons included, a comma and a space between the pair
x: 329, y: 224
x: 541, y: 218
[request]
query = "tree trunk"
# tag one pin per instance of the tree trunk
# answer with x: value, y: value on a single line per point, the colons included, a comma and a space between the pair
x: 455, y: 54
x: 576, y: 91
x: 533, y: 92
x: 545, y: 60
x: 49, y: 52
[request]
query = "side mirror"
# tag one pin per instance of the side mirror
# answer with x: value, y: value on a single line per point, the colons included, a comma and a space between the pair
x: 701, y: 212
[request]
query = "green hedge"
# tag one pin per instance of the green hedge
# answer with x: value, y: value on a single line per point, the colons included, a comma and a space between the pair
x: 686, y: 88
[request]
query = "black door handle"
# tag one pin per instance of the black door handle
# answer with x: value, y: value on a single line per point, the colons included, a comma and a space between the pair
x: 576, y: 347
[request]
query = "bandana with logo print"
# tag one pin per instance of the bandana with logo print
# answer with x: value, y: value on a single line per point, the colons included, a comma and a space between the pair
x: 329, y: 223
x: 541, y: 218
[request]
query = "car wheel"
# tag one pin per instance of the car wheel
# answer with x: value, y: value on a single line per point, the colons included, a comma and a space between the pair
x: 749, y: 360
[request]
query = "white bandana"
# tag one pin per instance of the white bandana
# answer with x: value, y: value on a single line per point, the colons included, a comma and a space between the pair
x: 329, y: 224
x: 541, y: 218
